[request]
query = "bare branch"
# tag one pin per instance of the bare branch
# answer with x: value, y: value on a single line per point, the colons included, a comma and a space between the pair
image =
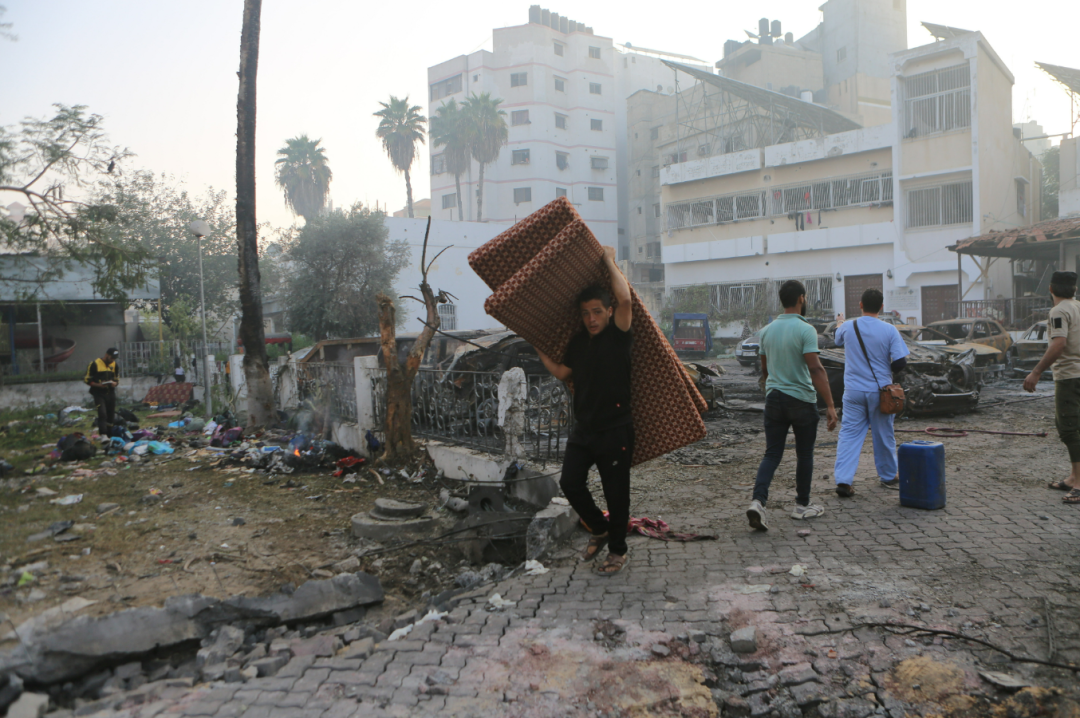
x: 433, y: 259
x: 423, y: 252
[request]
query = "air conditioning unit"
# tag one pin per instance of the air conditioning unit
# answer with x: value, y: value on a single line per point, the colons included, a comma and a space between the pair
x: 703, y: 151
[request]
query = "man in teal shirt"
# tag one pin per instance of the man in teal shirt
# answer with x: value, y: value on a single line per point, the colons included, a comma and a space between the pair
x: 793, y: 379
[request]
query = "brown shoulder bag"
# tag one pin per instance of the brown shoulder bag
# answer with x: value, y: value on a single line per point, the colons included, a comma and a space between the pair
x: 892, y: 396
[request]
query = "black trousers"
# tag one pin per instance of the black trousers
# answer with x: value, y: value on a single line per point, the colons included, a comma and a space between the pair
x: 783, y: 412
x: 611, y: 452
x: 106, y: 411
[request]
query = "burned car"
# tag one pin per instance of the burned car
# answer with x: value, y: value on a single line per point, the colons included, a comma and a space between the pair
x: 987, y: 337
x: 1029, y: 349
x: 935, y: 381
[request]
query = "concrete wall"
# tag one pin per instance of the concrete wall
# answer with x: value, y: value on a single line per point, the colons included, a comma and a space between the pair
x: 1069, y: 189
x: 634, y: 72
x: 928, y: 156
x: 451, y: 272
x: 774, y: 67
x: 66, y: 393
x: 857, y: 37
x: 868, y: 30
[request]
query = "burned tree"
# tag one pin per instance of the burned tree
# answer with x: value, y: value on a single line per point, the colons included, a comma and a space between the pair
x: 400, y: 375
x: 256, y: 363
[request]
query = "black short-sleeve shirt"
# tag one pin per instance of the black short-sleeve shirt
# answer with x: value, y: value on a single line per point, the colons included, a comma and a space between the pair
x: 601, y: 376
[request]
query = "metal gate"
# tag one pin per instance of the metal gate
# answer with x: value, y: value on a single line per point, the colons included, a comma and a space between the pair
x: 938, y: 302
x: 854, y: 286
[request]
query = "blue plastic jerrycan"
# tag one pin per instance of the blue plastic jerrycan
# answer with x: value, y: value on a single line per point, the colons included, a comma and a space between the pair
x: 921, y: 468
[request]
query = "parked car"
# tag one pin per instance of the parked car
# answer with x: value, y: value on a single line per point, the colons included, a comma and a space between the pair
x: 957, y: 334
x: 746, y: 352
x: 1029, y: 349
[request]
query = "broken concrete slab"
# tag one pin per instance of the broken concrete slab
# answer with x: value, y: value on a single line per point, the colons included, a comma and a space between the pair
x: 228, y: 641
x: 269, y: 666
x: 1004, y: 681
x: 361, y: 648
x: 798, y: 674
x: 809, y: 694
x: 744, y: 640
x: 547, y: 527
x: 534, y: 487
x: 322, y: 645
x: 364, y: 526
x: 314, y: 599
x: 78, y: 645
x: 457, y: 462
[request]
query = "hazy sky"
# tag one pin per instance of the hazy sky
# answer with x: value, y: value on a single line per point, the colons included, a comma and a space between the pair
x: 163, y: 73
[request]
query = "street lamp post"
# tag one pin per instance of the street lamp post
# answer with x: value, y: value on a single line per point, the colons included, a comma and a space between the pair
x: 201, y: 229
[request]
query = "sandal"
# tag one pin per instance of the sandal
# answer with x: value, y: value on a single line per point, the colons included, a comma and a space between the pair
x: 596, y: 544
x: 1073, y: 497
x: 1059, y: 486
x: 613, y: 564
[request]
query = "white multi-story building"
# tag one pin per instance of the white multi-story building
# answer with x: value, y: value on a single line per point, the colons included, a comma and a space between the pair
x: 870, y: 207
x: 564, y: 92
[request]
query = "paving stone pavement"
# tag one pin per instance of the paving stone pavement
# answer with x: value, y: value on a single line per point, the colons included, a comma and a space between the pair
x: 999, y: 562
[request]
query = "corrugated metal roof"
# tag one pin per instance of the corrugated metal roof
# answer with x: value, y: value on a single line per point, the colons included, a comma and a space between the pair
x: 1023, y: 242
x: 1065, y: 75
x: 828, y: 121
x: 944, y: 32
x: 29, y: 278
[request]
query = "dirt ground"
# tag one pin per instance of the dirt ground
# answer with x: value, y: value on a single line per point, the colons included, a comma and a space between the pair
x: 183, y: 526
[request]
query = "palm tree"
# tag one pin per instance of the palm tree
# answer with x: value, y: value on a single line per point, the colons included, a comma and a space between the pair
x: 448, y: 129
x: 304, y: 175
x: 487, y: 132
x: 400, y: 128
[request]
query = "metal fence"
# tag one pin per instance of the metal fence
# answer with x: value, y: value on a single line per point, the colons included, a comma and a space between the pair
x: 160, y: 358
x: 462, y: 407
x: 757, y: 295
x: 1015, y: 314
x: 328, y: 385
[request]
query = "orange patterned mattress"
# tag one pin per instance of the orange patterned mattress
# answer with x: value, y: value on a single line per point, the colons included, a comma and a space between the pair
x: 536, y: 269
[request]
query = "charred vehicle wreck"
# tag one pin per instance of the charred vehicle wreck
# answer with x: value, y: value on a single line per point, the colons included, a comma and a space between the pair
x: 935, y: 381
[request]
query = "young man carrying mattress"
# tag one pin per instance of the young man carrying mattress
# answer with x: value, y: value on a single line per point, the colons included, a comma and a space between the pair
x: 598, y: 362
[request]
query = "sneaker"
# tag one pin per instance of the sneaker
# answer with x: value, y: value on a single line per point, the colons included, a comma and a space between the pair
x: 810, y: 511
x: 893, y: 484
x: 844, y: 490
x: 756, y: 514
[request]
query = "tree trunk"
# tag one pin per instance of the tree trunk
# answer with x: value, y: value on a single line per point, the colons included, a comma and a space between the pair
x: 408, y: 192
x: 399, y: 441
x: 460, y: 205
x: 480, y: 196
x: 260, y: 391
x: 400, y: 375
